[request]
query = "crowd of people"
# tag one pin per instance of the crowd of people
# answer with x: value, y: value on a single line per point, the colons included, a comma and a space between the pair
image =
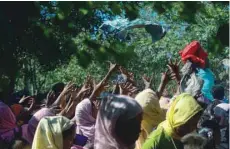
x: 91, y: 116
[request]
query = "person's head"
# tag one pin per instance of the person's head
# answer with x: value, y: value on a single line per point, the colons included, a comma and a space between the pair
x: 119, y: 121
x: 221, y: 113
x: 218, y: 92
x: 68, y: 136
x: 152, y: 111
x: 30, y: 129
x: 57, y: 88
x: 54, y: 93
x: 128, y: 130
x: 211, y: 130
x: 194, y: 141
x: 189, y: 126
x: 54, y: 132
x: 17, y: 109
x: 182, y: 116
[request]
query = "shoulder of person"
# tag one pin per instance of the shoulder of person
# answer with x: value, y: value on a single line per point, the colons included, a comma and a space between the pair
x: 154, y: 139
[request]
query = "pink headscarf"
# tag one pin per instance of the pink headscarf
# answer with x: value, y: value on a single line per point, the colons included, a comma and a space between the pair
x: 84, y: 120
x: 7, y: 122
x: 29, y: 129
x: 113, y: 107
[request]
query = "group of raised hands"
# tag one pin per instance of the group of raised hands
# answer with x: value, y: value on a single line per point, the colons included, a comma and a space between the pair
x: 71, y: 95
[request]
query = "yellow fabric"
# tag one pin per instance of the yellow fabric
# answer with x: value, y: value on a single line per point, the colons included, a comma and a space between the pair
x: 181, y: 110
x: 152, y: 114
x: 49, y: 132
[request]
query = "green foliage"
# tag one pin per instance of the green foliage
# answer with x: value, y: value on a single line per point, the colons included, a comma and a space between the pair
x: 49, y: 42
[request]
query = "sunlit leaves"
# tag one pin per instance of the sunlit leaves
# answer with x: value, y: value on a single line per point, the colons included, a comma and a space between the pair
x: 83, y: 11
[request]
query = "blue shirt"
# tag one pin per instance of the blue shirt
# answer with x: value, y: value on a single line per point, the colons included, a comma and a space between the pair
x: 208, y: 77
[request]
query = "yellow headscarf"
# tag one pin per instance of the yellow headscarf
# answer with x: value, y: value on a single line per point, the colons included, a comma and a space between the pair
x: 152, y: 114
x: 49, y: 132
x: 181, y: 110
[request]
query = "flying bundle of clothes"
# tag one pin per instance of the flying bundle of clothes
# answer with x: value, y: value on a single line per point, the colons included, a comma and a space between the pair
x: 120, y: 28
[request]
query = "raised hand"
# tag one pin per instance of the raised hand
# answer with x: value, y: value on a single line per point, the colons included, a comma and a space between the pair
x: 128, y: 89
x: 68, y: 88
x: 147, y: 81
x: 130, y: 75
x: 24, y: 99
x: 174, y: 69
x: 125, y: 72
x: 85, y: 88
x: 165, y: 78
x: 60, y: 101
x: 32, y: 104
x: 100, y: 87
x: 112, y: 66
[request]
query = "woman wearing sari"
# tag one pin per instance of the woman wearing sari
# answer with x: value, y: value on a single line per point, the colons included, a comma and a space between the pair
x: 30, y: 128
x: 84, y: 119
x: 181, y: 119
x: 152, y: 114
x: 8, y: 126
x: 55, y: 132
x: 118, y: 123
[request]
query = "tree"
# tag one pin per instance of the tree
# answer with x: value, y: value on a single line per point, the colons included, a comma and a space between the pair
x: 52, y: 35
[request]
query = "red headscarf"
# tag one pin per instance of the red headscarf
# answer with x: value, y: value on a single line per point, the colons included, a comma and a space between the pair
x: 16, y: 109
x: 195, y: 53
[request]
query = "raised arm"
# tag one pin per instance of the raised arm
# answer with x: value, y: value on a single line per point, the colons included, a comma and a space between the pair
x: 76, y: 97
x: 164, y: 81
x: 60, y: 101
x: 175, y: 73
x: 100, y: 86
x: 147, y: 81
x: 175, y: 70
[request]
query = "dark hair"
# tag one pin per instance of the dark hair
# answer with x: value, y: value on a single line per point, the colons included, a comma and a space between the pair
x: 210, y: 130
x: 128, y: 130
x: 58, y: 87
x: 194, y: 141
x: 212, y: 124
x: 68, y: 131
x: 218, y: 92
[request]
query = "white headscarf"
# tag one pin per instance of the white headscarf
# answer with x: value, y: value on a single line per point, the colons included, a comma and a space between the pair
x: 49, y: 132
x: 113, y: 107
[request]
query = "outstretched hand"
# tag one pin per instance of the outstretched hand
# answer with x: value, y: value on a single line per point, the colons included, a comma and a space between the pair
x: 86, y: 87
x: 112, y: 66
x: 147, y: 81
x: 29, y: 100
x: 128, y: 89
x: 68, y: 88
x: 165, y: 77
x: 130, y: 75
x: 174, y: 69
